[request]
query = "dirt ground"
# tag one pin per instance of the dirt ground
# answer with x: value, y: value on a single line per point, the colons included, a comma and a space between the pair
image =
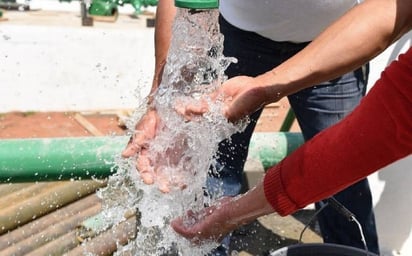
x: 101, y: 123
x: 57, y: 124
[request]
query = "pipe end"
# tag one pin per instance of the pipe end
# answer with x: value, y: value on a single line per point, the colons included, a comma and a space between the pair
x: 197, y: 4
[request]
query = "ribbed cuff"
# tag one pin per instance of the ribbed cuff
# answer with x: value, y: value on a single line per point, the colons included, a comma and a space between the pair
x: 275, y: 192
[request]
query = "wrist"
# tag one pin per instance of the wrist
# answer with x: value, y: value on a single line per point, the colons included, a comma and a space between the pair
x: 272, y: 91
x: 249, y: 206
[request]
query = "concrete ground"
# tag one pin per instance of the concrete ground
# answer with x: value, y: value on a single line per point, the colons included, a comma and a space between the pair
x: 49, y: 53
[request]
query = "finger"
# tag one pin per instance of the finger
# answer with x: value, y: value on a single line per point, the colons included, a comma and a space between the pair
x: 136, y: 142
x: 143, y: 165
x: 190, y: 109
x: 164, y: 187
x: 186, y: 231
x: 147, y: 177
x: 180, y: 107
x: 179, y: 226
x: 130, y: 150
x: 132, y: 146
x: 162, y: 181
x: 196, y: 109
x: 179, y: 182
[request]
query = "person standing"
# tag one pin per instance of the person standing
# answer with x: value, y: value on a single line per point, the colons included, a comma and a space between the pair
x: 376, y: 134
x: 264, y: 34
x: 261, y: 35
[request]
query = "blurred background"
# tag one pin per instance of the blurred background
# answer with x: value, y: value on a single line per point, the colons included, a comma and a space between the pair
x: 56, y: 56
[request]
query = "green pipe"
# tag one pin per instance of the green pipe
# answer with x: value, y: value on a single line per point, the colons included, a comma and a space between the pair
x: 52, y: 159
x: 197, y: 4
x: 271, y: 147
x: 110, y: 7
x: 288, y: 122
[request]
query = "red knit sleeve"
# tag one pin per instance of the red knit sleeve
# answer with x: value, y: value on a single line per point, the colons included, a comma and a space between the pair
x: 375, y: 134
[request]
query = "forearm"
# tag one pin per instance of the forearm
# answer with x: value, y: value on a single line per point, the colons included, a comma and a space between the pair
x: 165, y: 14
x: 247, y: 207
x: 351, y: 41
x: 375, y: 134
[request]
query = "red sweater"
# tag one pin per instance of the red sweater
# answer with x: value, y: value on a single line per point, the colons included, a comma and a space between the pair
x: 377, y: 133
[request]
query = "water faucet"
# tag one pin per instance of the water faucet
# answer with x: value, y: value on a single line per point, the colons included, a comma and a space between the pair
x: 197, y: 4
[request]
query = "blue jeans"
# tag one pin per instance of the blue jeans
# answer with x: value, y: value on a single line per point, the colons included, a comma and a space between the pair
x: 315, y: 108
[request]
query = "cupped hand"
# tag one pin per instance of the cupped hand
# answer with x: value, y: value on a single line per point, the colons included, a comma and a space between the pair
x: 215, y: 222
x: 241, y: 96
x: 155, y: 167
x: 145, y: 131
x: 211, y: 223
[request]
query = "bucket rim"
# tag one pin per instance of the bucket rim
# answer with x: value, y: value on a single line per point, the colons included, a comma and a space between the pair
x: 327, y: 248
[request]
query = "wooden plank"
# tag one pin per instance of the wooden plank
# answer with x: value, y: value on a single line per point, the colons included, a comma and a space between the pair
x: 87, y: 125
x: 102, y: 18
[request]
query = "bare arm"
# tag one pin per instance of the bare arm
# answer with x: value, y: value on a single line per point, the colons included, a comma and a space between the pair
x: 165, y: 15
x: 357, y: 37
x: 145, y: 129
x: 361, y: 34
x: 218, y: 220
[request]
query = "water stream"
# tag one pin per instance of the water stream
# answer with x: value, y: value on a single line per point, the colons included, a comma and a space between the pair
x: 185, y: 150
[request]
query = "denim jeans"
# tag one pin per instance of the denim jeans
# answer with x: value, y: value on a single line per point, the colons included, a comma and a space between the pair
x: 315, y: 108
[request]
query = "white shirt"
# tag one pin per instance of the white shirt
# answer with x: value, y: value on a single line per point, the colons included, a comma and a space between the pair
x: 284, y: 20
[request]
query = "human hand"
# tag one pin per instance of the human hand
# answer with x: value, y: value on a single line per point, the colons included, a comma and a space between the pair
x: 241, y: 96
x: 215, y: 222
x: 162, y: 168
x: 211, y: 223
x: 145, y: 131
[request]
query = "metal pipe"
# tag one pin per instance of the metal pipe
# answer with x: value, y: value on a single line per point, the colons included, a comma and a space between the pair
x: 269, y: 148
x: 49, y: 234
x: 7, y: 189
x: 47, y: 201
x: 53, y: 159
x: 26, y: 193
x: 288, y: 121
x: 108, y: 242
x: 59, y: 246
x: 82, y: 156
x: 36, y: 226
x: 28, y: 160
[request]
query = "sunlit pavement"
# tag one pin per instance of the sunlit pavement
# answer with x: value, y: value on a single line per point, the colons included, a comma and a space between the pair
x: 49, y: 62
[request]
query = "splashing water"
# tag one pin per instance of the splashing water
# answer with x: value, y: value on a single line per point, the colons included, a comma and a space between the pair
x: 184, y: 150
